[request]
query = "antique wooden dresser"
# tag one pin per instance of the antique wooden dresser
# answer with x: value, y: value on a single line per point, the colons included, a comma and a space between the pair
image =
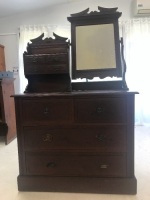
x: 7, y: 108
x: 76, y: 137
x: 76, y: 142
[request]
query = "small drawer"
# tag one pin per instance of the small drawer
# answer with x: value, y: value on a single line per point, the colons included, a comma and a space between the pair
x: 57, y: 49
x: 46, y: 64
x: 42, y: 111
x: 46, y: 58
x: 102, y: 110
x: 76, y: 165
x: 99, y: 139
x: 46, y: 69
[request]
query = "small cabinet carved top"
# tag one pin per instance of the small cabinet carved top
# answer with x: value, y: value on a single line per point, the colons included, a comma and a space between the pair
x: 48, y: 45
x: 47, y: 56
x: 46, y: 64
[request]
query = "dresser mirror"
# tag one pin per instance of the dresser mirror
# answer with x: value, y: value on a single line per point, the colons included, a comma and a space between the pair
x: 88, y: 54
x: 96, y: 45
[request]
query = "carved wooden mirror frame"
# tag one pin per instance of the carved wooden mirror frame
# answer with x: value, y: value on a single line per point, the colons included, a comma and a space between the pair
x: 106, y: 18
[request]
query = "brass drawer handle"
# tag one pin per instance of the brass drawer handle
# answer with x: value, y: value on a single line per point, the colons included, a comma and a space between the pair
x: 35, y: 69
x: 46, y: 111
x: 104, y: 166
x: 99, y: 110
x: 51, y: 165
x: 35, y: 59
x: 57, y: 68
x: 101, y: 137
x: 56, y: 59
x: 48, y: 138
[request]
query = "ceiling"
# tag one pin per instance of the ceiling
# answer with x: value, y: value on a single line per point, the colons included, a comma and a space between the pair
x: 12, y: 7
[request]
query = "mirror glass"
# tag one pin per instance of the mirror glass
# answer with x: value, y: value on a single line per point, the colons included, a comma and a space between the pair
x: 95, y: 47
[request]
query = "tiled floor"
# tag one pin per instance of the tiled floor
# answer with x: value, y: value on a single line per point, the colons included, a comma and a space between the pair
x: 9, y: 172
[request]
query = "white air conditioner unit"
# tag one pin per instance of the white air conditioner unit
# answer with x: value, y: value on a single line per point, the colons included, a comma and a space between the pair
x: 142, y: 7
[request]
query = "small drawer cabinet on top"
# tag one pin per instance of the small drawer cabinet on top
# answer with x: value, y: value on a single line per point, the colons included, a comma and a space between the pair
x: 76, y: 142
x: 46, y: 65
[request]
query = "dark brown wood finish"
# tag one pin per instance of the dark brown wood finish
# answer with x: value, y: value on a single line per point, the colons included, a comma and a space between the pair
x: 75, y: 137
x: 105, y: 16
x: 76, y: 142
x: 46, y: 65
x: 7, y: 110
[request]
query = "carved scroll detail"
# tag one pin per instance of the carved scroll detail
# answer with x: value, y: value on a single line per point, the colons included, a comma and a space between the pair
x: 40, y: 42
x: 102, y: 10
x: 107, y: 10
x: 48, y: 40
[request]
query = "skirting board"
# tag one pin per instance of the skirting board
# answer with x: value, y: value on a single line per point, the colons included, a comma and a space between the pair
x: 78, y: 184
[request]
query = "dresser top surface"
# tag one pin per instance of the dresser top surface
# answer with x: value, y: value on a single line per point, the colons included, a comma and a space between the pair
x: 77, y: 93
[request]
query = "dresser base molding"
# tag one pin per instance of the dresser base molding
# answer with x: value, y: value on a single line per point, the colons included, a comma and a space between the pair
x: 78, y: 184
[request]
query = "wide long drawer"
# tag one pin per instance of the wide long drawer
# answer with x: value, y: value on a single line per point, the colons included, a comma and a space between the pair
x: 76, y: 165
x: 45, y: 111
x: 78, y: 138
x: 101, y: 110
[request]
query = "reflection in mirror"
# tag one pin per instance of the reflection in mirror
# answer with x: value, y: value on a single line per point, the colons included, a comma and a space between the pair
x: 91, y: 49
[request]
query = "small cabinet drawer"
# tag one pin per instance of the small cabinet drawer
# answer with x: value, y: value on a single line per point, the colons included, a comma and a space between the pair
x: 42, y: 111
x: 60, y: 49
x: 46, y: 69
x: 102, y: 110
x: 76, y: 165
x: 99, y: 139
x: 46, y: 64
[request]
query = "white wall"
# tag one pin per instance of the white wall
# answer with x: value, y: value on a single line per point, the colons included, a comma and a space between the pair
x: 56, y: 15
